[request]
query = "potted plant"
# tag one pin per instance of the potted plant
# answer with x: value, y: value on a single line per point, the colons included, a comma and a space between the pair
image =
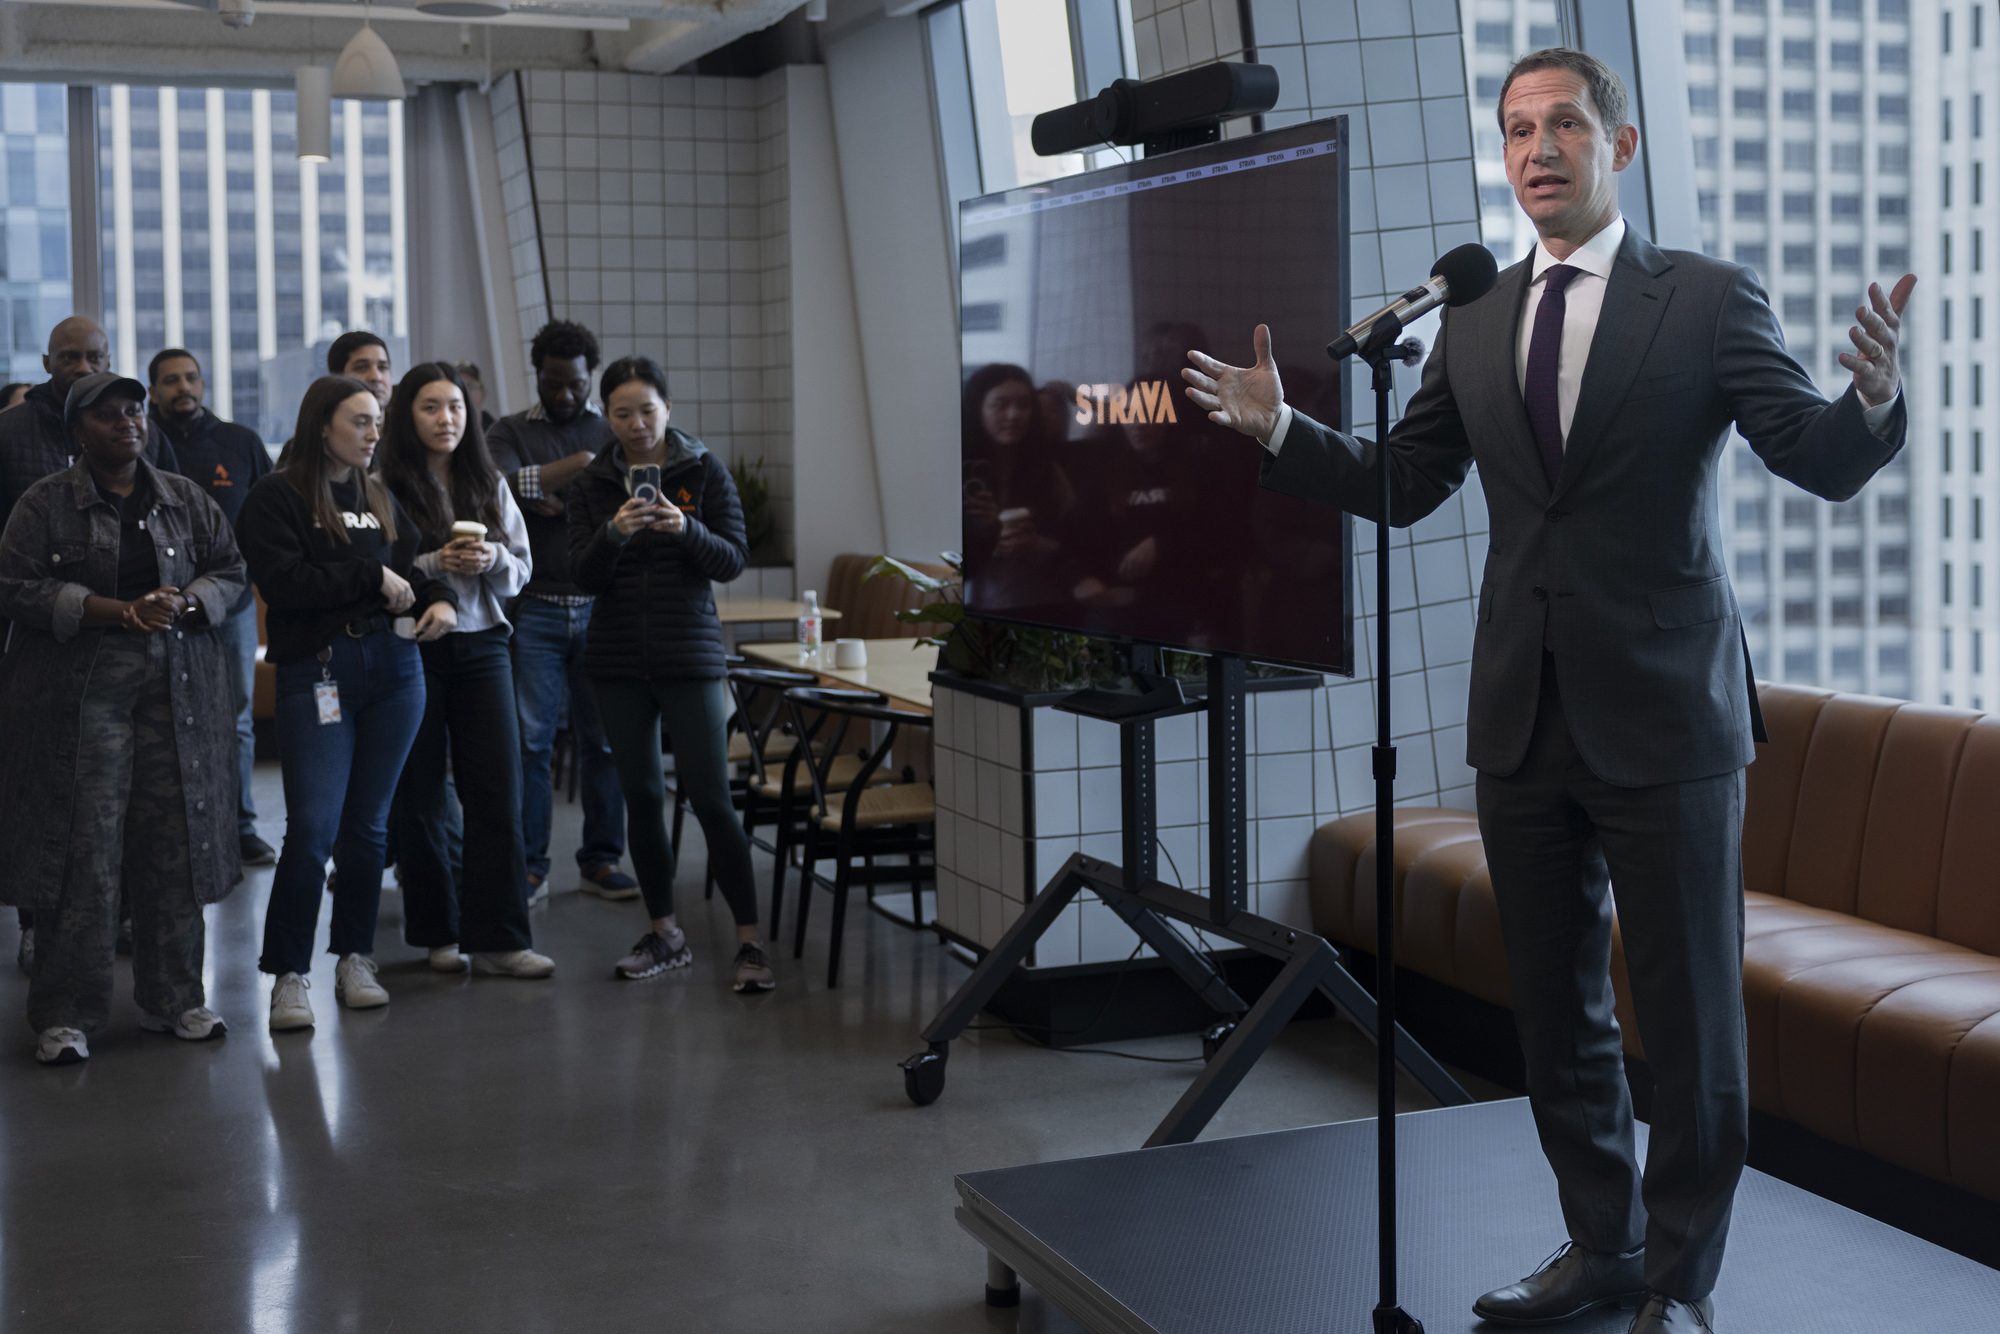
x: 760, y: 519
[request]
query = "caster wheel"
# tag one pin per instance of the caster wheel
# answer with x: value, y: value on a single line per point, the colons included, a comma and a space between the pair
x: 1214, y: 1036
x: 923, y: 1076
x: 1003, y: 1296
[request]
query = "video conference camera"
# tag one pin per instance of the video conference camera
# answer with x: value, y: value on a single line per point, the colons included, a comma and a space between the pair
x: 1178, y: 111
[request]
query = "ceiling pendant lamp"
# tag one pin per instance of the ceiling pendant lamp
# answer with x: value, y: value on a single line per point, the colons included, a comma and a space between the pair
x: 315, y: 113
x: 464, y: 9
x: 367, y: 70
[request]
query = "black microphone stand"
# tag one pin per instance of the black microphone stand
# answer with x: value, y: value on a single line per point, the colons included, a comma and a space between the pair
x: 1380, y: 350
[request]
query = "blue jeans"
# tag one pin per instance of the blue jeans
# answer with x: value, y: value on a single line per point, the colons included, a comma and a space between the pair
x: 339, y: 778
x: 238, y: 635
x: 548, y: 655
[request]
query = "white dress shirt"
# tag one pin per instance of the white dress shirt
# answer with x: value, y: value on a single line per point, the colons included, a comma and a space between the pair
x: 1584, y: 300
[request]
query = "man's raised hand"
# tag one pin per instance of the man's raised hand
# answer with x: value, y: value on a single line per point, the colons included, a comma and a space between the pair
x: 1876, y: 334
x: 1243, y: 398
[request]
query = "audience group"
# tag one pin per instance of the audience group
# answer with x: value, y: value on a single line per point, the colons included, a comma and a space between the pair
x: 440, y: 591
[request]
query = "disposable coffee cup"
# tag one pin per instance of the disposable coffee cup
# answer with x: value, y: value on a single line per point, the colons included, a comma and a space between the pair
x: 467, y: 528
x: 405, y: 627
x: 850, y: 653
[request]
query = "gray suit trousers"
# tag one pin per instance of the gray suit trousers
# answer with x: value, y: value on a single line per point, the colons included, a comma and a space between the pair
x: 1557, y: 839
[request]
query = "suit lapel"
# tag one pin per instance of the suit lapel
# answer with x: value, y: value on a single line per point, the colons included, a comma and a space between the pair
x: 1498, y: 327
x: 1635, y: 299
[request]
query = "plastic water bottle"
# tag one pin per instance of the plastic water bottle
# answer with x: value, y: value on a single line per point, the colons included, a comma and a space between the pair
x: 809, y: 622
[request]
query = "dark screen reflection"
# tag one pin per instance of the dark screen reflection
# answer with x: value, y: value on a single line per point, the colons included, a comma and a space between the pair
x: 1097, y: 497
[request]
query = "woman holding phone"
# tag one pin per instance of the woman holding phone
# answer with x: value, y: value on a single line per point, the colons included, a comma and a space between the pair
x: 335, y: 557
x: 653, y: 521
x: 435, y: 461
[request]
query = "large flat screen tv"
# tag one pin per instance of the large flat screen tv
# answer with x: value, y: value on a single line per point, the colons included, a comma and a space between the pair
x: 1097, y: 498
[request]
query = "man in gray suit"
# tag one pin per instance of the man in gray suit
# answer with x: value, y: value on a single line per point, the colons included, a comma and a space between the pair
x: 1612, y: 710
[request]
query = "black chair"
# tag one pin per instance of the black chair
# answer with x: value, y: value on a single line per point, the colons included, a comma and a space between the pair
x: 873, y: 819
x: 763, y: 739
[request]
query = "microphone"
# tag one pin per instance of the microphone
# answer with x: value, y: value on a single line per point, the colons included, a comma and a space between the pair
x: 1463, y: 275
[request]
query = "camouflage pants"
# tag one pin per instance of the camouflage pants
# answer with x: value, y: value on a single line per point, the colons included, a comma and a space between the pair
x: 128, y: 826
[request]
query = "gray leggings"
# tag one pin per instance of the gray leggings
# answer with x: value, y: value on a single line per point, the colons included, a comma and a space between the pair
x: 696, y: 717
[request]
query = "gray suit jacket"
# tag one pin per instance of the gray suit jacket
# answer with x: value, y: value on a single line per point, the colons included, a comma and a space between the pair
x: 1624, y: 558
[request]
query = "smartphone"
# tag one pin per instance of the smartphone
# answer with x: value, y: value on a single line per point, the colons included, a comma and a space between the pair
x: 646, y: 483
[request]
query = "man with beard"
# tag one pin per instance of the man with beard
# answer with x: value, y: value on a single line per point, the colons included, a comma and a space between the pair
x: 226, y: 460
x: 33, y: 443
x: 539, y: 451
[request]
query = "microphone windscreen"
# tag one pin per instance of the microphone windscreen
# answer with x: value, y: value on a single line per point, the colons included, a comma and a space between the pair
x: 1469, y: 273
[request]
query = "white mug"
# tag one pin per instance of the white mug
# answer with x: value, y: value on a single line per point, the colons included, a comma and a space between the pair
x: 850, y: 653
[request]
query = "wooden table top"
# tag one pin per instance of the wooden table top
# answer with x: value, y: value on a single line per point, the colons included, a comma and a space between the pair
x: 899, y: 668
x: 745, y: 611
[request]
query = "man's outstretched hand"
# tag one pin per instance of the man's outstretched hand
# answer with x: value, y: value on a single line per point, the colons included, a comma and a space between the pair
x: 1876, y: 334
x: 1243, y: 398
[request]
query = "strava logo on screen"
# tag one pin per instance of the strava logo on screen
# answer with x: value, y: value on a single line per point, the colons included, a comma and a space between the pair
x: 1119, y: 405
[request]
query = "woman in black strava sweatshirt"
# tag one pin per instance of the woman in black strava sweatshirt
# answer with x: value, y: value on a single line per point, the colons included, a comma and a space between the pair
x: 333, y: 554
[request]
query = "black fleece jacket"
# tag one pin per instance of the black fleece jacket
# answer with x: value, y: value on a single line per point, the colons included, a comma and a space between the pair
x: 313, y: 585
x: 655, y: 612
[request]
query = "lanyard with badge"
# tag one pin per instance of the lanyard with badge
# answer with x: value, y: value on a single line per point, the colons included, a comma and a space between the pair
x: 326, y: 691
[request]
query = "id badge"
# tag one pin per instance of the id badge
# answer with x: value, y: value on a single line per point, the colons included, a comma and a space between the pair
x: 326, y: 695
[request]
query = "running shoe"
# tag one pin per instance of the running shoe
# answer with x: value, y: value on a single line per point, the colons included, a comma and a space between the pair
x: 196, y: 1025
x: 354, y: 983
x: 655, y: 954
x: 753, y: 970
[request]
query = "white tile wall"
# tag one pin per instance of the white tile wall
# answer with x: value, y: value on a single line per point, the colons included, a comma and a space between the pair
x: 660, y: 209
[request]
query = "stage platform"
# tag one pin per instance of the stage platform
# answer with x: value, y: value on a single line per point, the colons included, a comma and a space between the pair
x: 1275, y: 1234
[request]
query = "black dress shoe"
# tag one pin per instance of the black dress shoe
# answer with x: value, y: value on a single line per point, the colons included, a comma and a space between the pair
x: 256, y: 852
x: 1572, y: 1282
x: 1661, y: 1314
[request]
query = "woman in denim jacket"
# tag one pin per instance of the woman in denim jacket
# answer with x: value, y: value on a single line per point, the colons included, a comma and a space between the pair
x: 121, y: 763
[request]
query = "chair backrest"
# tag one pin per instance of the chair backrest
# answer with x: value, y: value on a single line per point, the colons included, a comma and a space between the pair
x: 823, y: 719
x: 1880, y: 809
x: 760, y: 706
x: 868, y: 607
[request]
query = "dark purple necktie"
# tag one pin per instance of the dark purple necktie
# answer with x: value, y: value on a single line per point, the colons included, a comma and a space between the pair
x: 1544, y: 352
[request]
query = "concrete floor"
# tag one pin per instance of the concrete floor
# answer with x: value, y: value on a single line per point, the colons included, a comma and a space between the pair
x: 564, y: 1155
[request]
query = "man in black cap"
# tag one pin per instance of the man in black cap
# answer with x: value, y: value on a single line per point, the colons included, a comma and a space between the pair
x: 33, y: 443
x: 226, y: 460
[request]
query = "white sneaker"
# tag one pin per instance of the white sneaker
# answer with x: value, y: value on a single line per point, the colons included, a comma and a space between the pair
x: 61, y: 1046
x: 289, y: 1006
x: 447, y: 959
x: 196, y: 1025
x: 513, y: 963
x: 538, y: 891
x: 354, y: 983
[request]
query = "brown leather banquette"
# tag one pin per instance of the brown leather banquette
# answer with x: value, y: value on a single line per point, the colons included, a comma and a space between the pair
x: 1871, y: 986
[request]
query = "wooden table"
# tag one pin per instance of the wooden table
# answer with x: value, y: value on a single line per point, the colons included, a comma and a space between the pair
x: 733, y: 612
x: 899, y: 668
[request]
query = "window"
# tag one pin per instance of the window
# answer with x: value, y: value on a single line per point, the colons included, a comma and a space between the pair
x: 1750, y: 564
x: 1798, y: 51
x: 1844, y: 9
x: 1944, y: 320
x: 1499, y: 196
x: 1978, y: 183
x: 1843, y: 207
x: 1500, y: 37
x: 1698, y: 45
x: 1802, y: 666
x: 1892, y: 208
x: 1844, y: 258
x: 1799, y: 155
x: 1978, y: 25
x: 1896, y: 257
x: 1543, y: 35
x: 1978, y: 318
x: 1798, y: 103
x: 1978, y: 452
x: 1847, y: 660
x: 1844, y: 611
x: 1944, y: 525
x: 1893, y: 107
x: 34, y: 273
x: 1798, y: 207
x: 1892, y: 560
x: 1749, y: 50
x: 1893, y: 9
x: 1893, y: 659
x: 1750, y: 203
x: 1944, y: 652
x: 1944, y: 386
x: 982, y: 317
x: 1978, y: 584
x: 1844, y: 514
x: 1892, y: 609
x: 1799, y: 259
x: 1705, y: 202
x: 1944, y: 460
x: 1747, y: 463
x: 1798, y: 308
x: 1978, y: 115
x: 1892, y: 58
x: 1801, y: 611
x: 1844, y: 106
x: 1892, y: 509
x: 1978, y: 385
x: 1978, y: 519
x: 1944, y: 585
x: 1844, y: 55
x: 1749, y: 6
x: 1890, y: 159
x: 1799, y: 561
x: 1750, y: 513
x: 1944, y: 120
x: 1701, y: 96
x: 1750, y: 152
x: 1846, y: 560
x: 1747, y: 101
x: 1705, y: 152
x: 1488, y: 87
x: 1752, y: 256
x: 1944, y: 252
